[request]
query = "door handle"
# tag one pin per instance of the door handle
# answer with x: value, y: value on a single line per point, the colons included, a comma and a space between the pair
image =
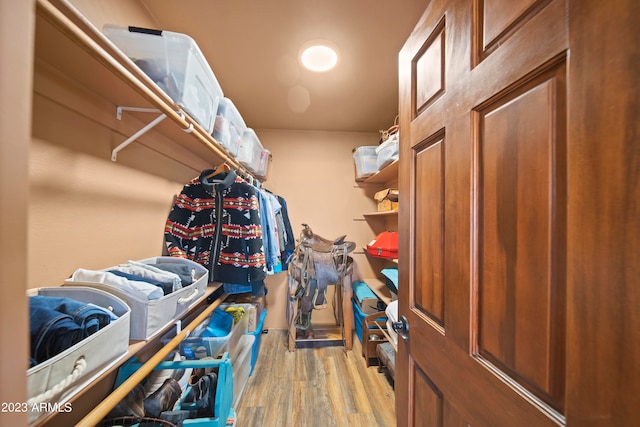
x: 402, y: 328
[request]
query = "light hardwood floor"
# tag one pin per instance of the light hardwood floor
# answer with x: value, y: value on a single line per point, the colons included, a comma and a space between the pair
x: 325, y: 386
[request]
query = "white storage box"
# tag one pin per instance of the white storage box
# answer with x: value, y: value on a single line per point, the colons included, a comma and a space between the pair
x: 366, y: 161
x: 250, y: 150
x: 199, y: 347
x: 176, y: 64
x: 64, y: 375
x: 387, y: 152
x: 148, y: 317
x: 229, y: 126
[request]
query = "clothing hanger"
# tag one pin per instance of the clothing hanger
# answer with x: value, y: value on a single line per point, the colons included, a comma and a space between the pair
x: 224, y: 167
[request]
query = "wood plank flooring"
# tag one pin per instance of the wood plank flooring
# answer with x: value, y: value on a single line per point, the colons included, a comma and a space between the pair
x: 323, y: 386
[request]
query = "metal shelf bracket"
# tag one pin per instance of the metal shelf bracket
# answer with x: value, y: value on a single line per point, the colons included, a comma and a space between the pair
x: 145, y: 129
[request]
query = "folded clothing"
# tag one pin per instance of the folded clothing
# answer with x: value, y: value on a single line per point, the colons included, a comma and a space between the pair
x: 171, y: 282
x: 165, y: 290
x: 57, y: 323
x: 132, y: 287
x: 186, y: 273
x: 220, y: 324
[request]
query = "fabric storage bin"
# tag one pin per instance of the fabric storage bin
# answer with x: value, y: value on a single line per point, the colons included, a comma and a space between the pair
x: 250, y: 150
x: 258, y: 339
x: 387, y: 152
x: 365, y: 158
x: 198, y: 347
x: 224, y: 387
x: 149, y: 317
x: 176, y: 64
x: 53, y: 382
x: 229, y: 126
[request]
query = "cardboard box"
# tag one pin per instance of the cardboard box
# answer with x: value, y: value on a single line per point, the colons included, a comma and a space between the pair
x: 387, y: 199
x: 387, y: 205
x: 254, y: 312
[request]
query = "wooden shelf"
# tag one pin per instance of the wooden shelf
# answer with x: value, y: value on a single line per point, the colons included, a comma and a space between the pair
x: 380, y: 289
x: 377, y: 214
x: 387, y: 174
x: 72, y: 46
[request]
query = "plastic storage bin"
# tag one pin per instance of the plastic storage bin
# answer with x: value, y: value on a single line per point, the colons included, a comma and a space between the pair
x: 176, y: 64
x: 256, y: 344
x: 263, y: 164
x: 49, y: 382
x: 241, y: 364
x: 358, y: 317
x: 250, y: 151
x: 198, y: 347
x: 229, y: 126
x: 387, y: 152
x: 224, y: 388
x: 149, y: 317
x: 367, y: 300
x: 365, y: 158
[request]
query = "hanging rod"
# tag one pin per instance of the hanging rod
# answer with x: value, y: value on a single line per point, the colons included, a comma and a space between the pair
x: 69, y: 21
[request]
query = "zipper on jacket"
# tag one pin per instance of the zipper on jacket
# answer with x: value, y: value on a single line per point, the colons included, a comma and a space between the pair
x: 215, y: 250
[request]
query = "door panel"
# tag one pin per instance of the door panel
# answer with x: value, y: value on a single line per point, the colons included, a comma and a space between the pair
x: 483, y: 179
x: 521, y: 175
x: 429, y: 298
x: 496, y: 19
x: 507, y: 192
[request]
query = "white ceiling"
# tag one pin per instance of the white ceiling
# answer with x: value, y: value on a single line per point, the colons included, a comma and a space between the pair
x: 253, y: 47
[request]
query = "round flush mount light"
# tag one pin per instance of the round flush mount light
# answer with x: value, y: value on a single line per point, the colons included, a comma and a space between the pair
x: 319, y: 56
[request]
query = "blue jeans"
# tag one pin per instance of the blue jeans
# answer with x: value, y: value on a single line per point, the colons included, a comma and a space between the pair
x: 256, y: 288
x: 57, y: 323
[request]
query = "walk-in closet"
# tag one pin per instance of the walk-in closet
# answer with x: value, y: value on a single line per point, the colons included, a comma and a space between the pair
x: 204, y: 224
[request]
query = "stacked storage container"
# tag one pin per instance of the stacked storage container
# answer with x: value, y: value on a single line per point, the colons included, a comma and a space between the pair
x: 176, y: 64
x: 229, y: 126
x: 253, y: 155
x: 365, y: 158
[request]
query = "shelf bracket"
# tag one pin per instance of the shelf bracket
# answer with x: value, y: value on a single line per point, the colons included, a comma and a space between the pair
x: 147, y: 128
x: 124, y: 144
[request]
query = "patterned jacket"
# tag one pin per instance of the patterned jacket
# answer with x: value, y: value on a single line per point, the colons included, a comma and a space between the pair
x: 216, y: 223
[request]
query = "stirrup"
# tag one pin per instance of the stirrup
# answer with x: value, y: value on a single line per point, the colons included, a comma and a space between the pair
x: 303, y: 321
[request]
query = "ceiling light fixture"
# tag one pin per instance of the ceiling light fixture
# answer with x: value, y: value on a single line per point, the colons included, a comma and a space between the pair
x: 319, y: 56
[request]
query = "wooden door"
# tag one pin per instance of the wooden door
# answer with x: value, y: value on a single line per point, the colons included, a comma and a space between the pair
x: 519, y: 172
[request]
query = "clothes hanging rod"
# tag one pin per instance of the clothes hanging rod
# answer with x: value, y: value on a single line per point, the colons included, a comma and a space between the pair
x: 69, y: 21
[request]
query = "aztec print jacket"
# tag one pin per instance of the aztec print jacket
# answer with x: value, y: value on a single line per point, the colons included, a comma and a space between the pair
x: 216, y: 223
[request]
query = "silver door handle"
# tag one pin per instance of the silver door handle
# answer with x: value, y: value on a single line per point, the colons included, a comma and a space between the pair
x: 402, y: 328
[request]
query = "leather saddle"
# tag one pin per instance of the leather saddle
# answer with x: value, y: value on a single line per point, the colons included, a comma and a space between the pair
x: 319, y: 244
x: 316, y: 263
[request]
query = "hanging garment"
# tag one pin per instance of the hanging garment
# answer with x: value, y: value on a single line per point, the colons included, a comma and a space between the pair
x: 269, y: 237
x: 287, y: 233
x: 216, y: 223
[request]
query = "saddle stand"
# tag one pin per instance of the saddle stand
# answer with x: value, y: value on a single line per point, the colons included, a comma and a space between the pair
x: 315, y: 264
